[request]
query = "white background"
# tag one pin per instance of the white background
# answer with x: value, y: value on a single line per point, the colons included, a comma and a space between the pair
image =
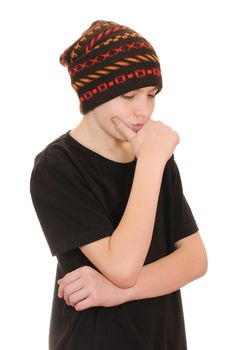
x: 193, y: 42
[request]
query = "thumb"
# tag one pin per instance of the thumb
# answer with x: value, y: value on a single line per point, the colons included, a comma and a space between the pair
x: 123, y: 128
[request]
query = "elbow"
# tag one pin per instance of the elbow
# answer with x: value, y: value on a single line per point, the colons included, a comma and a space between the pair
x: 121, y: 283
x: 124, y: 283
x: 202, y: 264
x: 124, y: 280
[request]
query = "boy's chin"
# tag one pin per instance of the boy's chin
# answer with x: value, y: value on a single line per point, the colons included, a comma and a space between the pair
x: 121, y: 138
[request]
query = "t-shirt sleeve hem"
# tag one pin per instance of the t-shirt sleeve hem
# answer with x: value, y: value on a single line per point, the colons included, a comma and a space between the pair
x: 187, y: 231
x: 76, y: 241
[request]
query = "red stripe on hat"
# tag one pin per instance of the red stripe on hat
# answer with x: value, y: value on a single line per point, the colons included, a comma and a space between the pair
x: 99, y: 36
x: 92, y: 42
x: 87, y: 49
x: 108, y: 31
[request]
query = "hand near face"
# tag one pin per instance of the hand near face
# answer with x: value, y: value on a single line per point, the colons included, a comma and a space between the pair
x: 154, y: 138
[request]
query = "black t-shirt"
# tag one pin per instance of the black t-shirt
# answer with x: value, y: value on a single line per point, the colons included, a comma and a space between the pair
x: 79, y: 197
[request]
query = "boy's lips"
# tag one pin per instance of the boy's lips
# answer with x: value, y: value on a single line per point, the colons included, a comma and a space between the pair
x: 136, y: 127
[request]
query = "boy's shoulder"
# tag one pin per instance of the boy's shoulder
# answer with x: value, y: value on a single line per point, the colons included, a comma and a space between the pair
x: 171, y: 164
x: 55, y: 151
x: 171, y: 171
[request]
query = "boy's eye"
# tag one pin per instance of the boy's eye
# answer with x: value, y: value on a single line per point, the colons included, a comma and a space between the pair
x: 131, y: 96
x: 128, y: 96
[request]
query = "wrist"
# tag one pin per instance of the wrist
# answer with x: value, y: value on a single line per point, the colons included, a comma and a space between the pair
x: 152, y: 159
x: 126, y: 294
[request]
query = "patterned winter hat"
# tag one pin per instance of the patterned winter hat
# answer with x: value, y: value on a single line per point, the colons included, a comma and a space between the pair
x: 109, y: 60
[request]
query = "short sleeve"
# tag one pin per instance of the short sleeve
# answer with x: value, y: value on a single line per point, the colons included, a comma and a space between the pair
x: 185, y: 223
x: 69, y: 213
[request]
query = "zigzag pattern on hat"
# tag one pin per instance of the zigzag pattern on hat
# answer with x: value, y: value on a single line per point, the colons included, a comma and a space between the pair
x: 81, y: 66
x: 76, y: 47
x: 108, y: 69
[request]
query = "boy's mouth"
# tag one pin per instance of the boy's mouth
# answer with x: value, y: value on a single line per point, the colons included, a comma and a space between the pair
x: 136, y: 127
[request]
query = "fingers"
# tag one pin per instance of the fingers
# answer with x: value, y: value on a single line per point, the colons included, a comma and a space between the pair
x: 72, y: 279
x: 124, y: 130
x: 67, y: 280
x: 71, y: 289
x: 84, y: 304
x: 77, y: 297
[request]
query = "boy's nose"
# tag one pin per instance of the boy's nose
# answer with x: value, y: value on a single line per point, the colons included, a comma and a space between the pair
x: 142, y: 111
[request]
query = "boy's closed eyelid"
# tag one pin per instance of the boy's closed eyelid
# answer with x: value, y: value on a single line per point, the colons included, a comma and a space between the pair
x: 131, y: 96
x: 128, y: 96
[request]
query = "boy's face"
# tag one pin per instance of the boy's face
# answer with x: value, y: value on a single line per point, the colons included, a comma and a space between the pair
x: 134, y: 108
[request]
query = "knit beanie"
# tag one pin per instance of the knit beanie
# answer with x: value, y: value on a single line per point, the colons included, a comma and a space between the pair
x: 109, y: 60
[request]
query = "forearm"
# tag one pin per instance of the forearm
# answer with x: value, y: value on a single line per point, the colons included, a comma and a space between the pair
x: 131, y: 240
x: 167, y: 274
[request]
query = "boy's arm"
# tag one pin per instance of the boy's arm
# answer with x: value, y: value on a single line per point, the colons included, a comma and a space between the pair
x: 168, y: 274
x: 85, y: 287
x: 120, y: 257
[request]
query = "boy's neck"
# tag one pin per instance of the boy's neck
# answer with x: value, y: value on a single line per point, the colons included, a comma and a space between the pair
x: 109, y: 147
